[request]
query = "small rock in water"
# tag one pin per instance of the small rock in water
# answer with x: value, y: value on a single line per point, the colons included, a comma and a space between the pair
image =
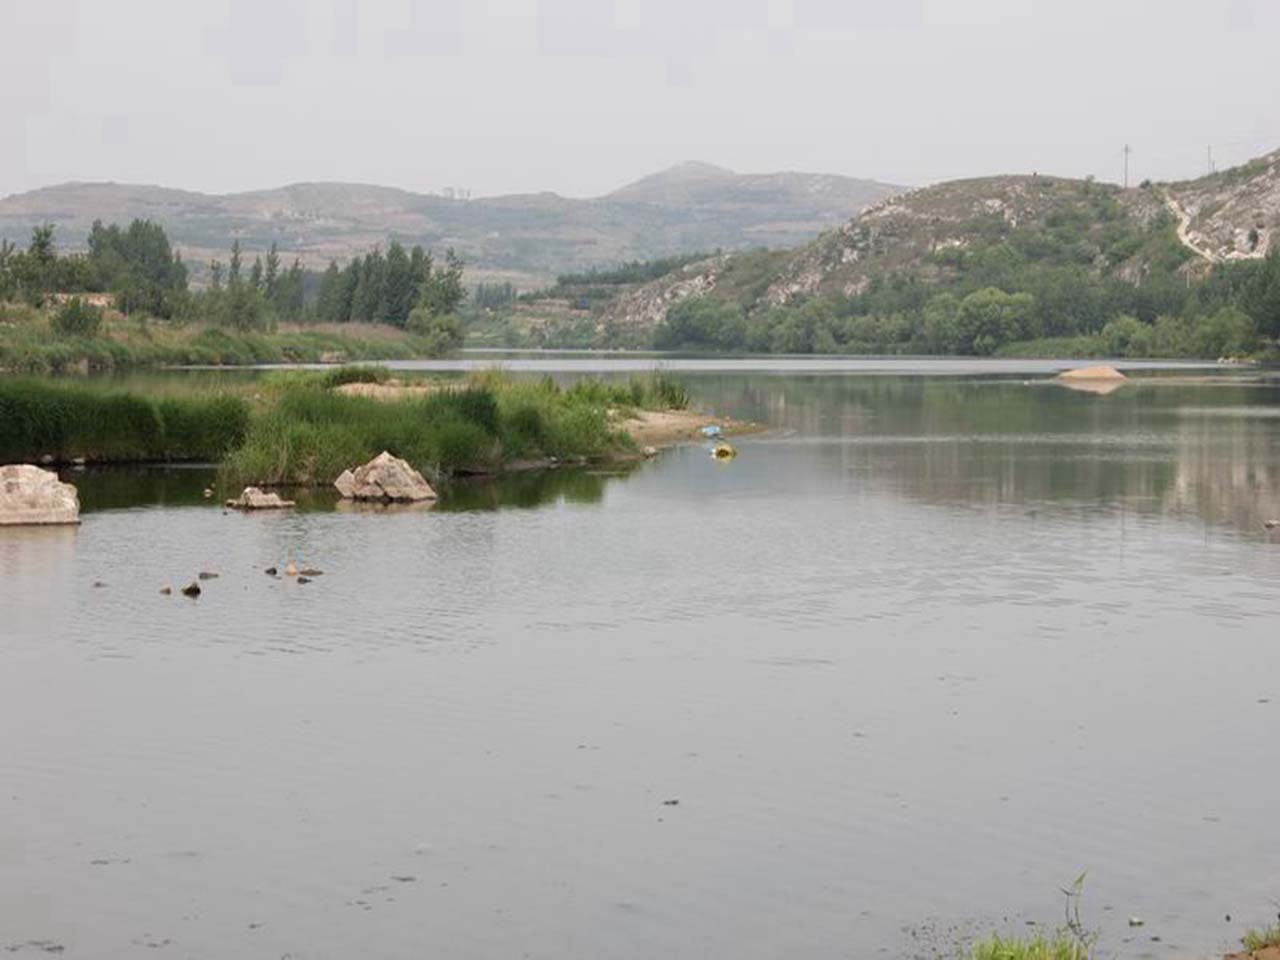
x: 310, y: 572
x: 671, y: 803
x: 1271, y: 524
x: 271, y: 571
x: 166, y: 591
x: 650, y: 452
x: 192, y: 589
x: 98, y: 583
x: 304, y: 579
x: 207, y: 575
x: 1136, y: 922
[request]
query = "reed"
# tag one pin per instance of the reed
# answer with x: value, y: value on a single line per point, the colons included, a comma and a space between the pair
x: 66, y: 421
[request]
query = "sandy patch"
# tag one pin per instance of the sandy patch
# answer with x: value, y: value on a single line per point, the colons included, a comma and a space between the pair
x: 1101, y: 372
x: 660, y: 428
x: 1266, y: 953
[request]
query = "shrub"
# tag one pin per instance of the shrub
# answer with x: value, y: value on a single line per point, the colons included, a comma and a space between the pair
x: 75, y: 318
x: 355, y: 374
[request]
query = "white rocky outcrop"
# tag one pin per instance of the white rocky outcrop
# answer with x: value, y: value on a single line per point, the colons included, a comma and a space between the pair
x: 384, y: 478
x: 30, y: 495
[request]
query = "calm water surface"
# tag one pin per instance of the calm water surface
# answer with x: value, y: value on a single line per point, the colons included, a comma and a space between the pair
x: 918, y: 657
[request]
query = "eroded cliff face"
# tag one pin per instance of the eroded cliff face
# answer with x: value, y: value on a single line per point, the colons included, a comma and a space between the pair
x: 1231, y: 215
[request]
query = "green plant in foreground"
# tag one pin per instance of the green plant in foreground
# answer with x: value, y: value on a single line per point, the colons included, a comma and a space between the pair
x: 1072, y: 942
x: 1061, y: 946
x: 1262, y: 939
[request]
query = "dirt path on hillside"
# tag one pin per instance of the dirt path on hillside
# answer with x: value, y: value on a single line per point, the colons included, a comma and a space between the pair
x: 1184, y: 229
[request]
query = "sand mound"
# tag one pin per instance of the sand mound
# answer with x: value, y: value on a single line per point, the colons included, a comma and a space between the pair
x: 1092, y: 373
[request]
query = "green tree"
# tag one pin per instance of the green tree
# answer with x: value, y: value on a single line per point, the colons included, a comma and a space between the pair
x: 442, y: 291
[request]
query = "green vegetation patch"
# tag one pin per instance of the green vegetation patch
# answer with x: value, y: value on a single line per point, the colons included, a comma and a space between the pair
x: 68, y: 421
x: 1059, y: 947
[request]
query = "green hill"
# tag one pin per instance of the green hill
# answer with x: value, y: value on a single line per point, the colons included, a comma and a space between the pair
x: 983, y: 265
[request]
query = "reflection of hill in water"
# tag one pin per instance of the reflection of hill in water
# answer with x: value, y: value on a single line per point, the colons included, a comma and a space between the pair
x: 1208, y: 450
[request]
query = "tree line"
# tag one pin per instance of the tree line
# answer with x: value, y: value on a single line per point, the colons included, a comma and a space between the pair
x: 144, y: 275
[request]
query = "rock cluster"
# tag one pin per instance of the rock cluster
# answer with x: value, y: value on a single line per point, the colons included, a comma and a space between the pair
x: 30, y: 495
x: 384, y: 478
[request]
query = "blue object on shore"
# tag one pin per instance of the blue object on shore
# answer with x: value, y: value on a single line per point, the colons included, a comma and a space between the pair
x: 711, y: 430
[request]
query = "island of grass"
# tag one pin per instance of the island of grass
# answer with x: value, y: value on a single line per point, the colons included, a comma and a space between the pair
x: 303, y: 428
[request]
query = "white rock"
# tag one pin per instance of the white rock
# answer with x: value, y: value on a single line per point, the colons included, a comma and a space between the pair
x: 29, y: 495
x: 384, y: 478
x: 254, y: 498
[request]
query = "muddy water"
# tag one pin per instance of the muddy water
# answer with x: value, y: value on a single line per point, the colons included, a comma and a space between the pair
x: 909, y: 664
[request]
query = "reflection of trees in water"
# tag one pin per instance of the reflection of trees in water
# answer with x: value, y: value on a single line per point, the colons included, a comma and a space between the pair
x: 531, y: 489
x: 1209, y: 450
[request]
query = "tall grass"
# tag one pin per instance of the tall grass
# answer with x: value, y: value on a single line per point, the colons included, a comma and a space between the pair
x: 67, y: 420
x: 309, y: 434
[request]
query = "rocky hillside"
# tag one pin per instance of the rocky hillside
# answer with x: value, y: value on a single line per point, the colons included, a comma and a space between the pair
x: 926, y: 234
x: 1230, y: 215
x: 527, y: 239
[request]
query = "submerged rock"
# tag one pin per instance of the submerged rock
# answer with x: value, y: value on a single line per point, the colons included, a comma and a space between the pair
x: 384, y: 478
x: 30, y: 495
x: 254, y: 498
x: 192, y: 589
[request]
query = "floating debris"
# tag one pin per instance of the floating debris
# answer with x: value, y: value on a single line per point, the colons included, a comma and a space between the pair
x: 724, y: 451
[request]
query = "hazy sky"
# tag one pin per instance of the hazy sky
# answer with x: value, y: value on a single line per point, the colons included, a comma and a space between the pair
x: 579, y: 96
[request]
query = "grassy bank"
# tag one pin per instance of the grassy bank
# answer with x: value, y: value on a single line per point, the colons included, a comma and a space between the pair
x: 30, y: 344
x: 68, y: 421
x: 295, y: 428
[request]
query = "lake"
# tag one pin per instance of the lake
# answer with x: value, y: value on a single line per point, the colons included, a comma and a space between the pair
x: 940, y: 640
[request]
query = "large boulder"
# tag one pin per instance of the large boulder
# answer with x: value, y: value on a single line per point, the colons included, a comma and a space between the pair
x: 30, y: 495
x: 254, y: 498
x: 384, y: 478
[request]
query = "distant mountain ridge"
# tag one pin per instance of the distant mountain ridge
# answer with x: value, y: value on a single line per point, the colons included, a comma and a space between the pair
x: 524, y: 238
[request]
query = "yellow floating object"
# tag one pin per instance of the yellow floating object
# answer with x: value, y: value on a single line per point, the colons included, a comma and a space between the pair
x: 723, y: 451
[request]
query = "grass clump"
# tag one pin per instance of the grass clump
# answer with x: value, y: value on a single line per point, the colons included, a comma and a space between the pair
x: 66, y: 421
x: 656, y: 391
x: 1256, y: 940
x: 1062, y: 946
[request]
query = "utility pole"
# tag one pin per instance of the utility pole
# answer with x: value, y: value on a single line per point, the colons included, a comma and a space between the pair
x: 1127, y: 151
